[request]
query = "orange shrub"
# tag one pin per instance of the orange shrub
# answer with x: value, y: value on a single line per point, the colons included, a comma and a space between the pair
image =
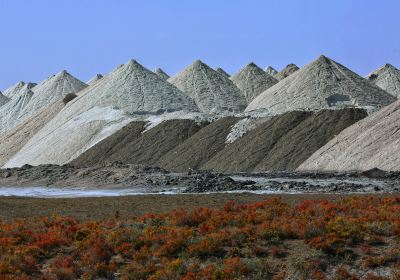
x: 204, y: 243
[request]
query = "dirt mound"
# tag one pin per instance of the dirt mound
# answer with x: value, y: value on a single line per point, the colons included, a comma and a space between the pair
x: 109, y: 147
x: 223, y: 72
x: 375, y: 173
x: 130, y: 145
x: 100, y: 110
x: 199, y: 148
x: 96, y: 78
x: 135, y: 90
x: 370, y: 143
x: 16, y: 138
x: 322, y: 84
x: 51, y: 90
x: 144, y: 179
x: 160, y: 73
x: 20, y: 97
x: 388, y: 78
x: 16, y: 89
x: 271, y: 71
x: 286, y: 72
x: 212, y: 92
x: 69, y: 97
x: 252, y: 80
x: 9, y: 92
x: 3, y: 99
x: 37, y: 97
x: 283, y: 142
x: 246, y: 152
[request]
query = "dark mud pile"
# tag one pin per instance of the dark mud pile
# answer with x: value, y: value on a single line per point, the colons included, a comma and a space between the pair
x: 114, y: 175
x: 199, y: 148
x: 283, y: 142
x: 370, y: 181
x: 111, y: 146
x: 132, y: 145
x: 295, y: 187
x: 148, y: 179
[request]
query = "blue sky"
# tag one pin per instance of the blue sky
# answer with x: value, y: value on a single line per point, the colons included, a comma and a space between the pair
x: 42, y: 37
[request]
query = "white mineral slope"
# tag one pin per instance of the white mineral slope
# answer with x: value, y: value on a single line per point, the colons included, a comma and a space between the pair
x: 160, y: 73
x: 94, y: 79
x: 369, y: 143
x: 322, y: 84
x: 271, y: 71
x: 15, y: 139
x: 212, y: 92
x: 388, y: 78
x: 286, y: 72
x: 99, y: 111
x: 252, y: 80
x: 44, y: 94
x: 54, y: 88
x: 15, y: 89
x: 12, y: 110
x: 49, y: 91
x: 223, y: 72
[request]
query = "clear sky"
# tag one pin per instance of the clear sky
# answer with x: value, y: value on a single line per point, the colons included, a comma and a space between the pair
x: 42, y: 37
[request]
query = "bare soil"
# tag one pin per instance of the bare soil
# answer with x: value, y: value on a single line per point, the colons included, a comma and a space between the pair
x: 283, y: 142
x: 199, y: 148
x: 108, y: 207
x: 132, y: 145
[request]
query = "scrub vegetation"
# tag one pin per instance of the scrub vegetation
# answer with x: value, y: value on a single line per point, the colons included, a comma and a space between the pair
x: 350, y: 238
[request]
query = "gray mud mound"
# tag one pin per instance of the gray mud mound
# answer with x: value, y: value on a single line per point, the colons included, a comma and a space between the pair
x: 388, y: 78
x: 322, y: 84
x: 51, y: 90
x: 283, y: 142
x: 252, y: 80
x: 271, y: 71
x: 373, y: 142
x: 20, y: 96
x: 3, y: 99
x: 15, y: 139
x: 223, y: 72
x: 212, y: 92
x: 135, y: 90
x: 96, y: 78
x: 132, y: 145
x: 9, y: 92
x: 144, y: 179
x: 160, y: 73
x: 199, y: 148
x: 375, y: 173
x: 100, y: 110
x: 16, y: 89
x: 286, y: 72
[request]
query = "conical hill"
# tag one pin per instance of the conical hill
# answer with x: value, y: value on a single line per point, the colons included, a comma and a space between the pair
x: 388, y: 78
x: 322, y: 84
x: 212, y: 92
x: 252, y: 81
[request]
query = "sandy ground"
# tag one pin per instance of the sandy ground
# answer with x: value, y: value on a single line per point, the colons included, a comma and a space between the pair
x: 126, y: 206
